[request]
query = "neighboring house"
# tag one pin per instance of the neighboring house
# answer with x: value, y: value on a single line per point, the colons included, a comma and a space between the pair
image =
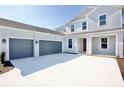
x: 94, y: 31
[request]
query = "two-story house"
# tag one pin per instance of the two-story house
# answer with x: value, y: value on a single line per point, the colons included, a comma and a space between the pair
x: 96, y: 30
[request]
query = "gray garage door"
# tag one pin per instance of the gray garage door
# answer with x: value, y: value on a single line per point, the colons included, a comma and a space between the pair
x: 49, y: 47
x: 20, y: 48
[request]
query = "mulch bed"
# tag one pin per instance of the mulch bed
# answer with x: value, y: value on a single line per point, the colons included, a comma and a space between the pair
x: 5, y: 67
x: 121, y: 65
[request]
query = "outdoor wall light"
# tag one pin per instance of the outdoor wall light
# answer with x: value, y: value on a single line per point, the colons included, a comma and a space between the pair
x: 36, y: 41
x: 4, y: 41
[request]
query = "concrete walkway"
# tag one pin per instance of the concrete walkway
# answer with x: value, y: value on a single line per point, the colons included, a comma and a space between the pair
x: 63, y: 70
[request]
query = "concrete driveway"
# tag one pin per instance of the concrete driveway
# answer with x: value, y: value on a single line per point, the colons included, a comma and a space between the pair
x: 63, y: 70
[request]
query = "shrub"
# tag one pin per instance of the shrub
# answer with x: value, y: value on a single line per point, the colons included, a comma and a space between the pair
x: 2, y: 57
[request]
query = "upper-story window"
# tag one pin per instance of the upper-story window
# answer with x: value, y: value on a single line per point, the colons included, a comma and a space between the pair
x: 102, y: 20
x: 72, y: 28
x: 84, y: 25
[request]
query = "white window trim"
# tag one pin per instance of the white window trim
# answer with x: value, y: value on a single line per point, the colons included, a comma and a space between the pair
x: 82, y: 25
x: 71, y: 28
x: 99, y: 20
x: 107, y: 43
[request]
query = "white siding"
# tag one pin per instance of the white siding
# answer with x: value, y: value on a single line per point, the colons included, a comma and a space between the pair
x: 77, y: 26
x: 111, y: 46
x: 74, y: 45
x: 119, y: 45
x: 45, y: 36
x: 7, y: 33
x: 113, y: 14
x: 61, y: 29
x: 114, y: 19
x: 79, y: 45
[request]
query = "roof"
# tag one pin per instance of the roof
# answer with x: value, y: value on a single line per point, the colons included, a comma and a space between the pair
x: 14, y: 24
x: 83, y: 13
x: 60, y: 27
x: 104, y: 30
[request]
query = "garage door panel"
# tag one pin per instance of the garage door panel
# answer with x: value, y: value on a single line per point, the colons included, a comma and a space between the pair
x: 20, y: 48
x: 49, y: 47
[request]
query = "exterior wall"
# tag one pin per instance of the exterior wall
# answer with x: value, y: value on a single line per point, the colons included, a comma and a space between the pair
x: 113, y: 14
x: 13, y: 33
x: 111, y: 46
x: 61, y: 29
x: 45, y: 36
x: 77, y: 26
x: 93, y: 45
x: 120, y: 45
x: 7, y: 33
x: 79, y: 45
x: 113, y: 17
x: 74, y: 45
x: 89, y: 45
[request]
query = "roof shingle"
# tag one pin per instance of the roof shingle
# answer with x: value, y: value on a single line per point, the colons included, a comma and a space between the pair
x: 14, y: 24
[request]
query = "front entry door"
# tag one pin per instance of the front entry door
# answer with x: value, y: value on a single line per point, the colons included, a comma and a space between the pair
x: 84, y: 44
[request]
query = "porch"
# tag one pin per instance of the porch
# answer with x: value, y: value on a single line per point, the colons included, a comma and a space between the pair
x: 102, y: 45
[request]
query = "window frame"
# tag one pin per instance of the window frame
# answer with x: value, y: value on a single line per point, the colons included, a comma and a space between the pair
x: 70, y: 43
x: 102, y: 20
x: 84, y: 25
x: 104, y: 43
x: 73, y: 28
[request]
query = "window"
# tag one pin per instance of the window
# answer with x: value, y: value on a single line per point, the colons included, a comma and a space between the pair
x: 102, y: 20
x: 72, y: 28
x: 69, y: 43
x: 104, y: 43
x: 84, y: 25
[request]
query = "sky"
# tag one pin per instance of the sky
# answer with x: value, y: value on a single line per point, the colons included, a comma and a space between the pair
x: 43, y: 16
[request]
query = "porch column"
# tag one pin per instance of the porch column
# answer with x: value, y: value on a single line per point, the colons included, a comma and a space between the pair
x: 89, y: 45
x: 119, y: 45
x: 63, y: 44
